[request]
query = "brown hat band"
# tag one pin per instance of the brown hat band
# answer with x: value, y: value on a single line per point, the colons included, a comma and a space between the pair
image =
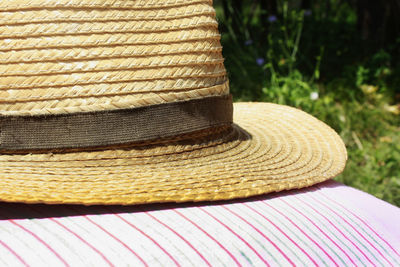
x: 115, y: 127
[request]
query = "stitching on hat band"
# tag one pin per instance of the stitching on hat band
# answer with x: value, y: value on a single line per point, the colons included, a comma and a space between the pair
x: 113, y: 127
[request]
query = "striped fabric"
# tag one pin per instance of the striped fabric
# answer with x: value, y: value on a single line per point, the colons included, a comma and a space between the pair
x: 325, y: 225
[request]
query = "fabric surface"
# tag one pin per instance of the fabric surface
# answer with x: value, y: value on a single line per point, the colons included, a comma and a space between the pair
x: 328, y: 224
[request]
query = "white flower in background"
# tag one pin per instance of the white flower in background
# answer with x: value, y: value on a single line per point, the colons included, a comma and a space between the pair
x: 314, y: 96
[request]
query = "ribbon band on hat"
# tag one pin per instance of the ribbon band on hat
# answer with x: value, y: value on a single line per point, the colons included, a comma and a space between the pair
x: 115, y: 127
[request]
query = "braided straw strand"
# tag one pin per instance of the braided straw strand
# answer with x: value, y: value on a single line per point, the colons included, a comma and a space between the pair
x: 32, y: 30
x: 109, y: 89
x: 97, y: 15
x: 114, y: 64
x: 107, y: 102
x: 26, y: 82
x: 88, y: 53
x: 109, y: 39
x: 15, y: 5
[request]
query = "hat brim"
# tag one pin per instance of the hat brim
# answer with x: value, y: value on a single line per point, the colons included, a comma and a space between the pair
x: 270, y: 148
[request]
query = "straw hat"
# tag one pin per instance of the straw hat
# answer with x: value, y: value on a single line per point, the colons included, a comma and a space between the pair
x: 127, y: 102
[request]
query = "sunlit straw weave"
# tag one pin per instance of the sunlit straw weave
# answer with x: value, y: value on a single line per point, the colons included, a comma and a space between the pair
x: 70, y: 56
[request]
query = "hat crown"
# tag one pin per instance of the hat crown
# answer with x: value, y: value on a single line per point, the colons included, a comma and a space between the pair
x: 71, y: 56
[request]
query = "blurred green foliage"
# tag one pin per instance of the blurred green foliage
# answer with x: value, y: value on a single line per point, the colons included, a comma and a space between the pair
x: 317, y: 59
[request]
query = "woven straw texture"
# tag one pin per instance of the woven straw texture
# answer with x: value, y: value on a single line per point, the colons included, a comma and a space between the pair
x: 271, y: 148
x: 88, y: 55
x: 68, y: 56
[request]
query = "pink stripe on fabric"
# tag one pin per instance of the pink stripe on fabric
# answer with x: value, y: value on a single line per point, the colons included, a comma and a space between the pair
x: 83, y: 240
x: 238, y: 236
x: 282, y: 232
x: 180, y: 236
x: 262, y: 234
x: 149, y: 237
x: 117, y: 239
x: 301, y: 230
x: 72, y: 232
x: 325, y: 234
x: 318, y: 245
x: 41, y: 241
x: 355, y: 229
x: 334, y: 226
x: 207, y: 234
x: 14, y: 253
x: 360, y: 219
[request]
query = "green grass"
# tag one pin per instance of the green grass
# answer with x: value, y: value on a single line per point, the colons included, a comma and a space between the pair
x: 316, y: 63
x: 371, y: 135
x: 373, y: 143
